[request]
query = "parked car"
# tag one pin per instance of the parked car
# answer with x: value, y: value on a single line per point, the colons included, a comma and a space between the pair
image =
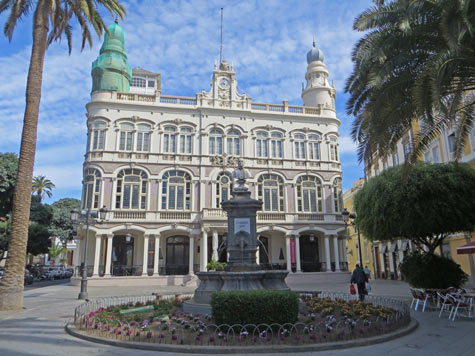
x: 1, y: 276
x: 28, y: 277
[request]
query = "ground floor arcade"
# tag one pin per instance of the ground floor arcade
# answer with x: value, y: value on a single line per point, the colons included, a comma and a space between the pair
x: 181, y: 250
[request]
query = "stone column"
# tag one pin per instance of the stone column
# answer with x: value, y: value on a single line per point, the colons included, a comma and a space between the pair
x: 192, y: 252
x: 215, y: 242
x: 109, y: 255
x: 97, y: 255
x: 287, y: 252
x: 204, y: 251
x: 156, y: 256
x: 145, y: 255
x: 337, y: 253
x: 327, y: 254
x: 297, y: 253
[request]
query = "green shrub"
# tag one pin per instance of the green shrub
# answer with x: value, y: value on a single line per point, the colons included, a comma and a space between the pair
x: 426, y: 270
x: 254, y: 307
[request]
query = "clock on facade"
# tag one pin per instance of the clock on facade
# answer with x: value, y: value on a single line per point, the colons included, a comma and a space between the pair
x: 224, y: 83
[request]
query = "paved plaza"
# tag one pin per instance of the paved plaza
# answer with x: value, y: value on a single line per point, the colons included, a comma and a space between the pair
x: 39, y: 328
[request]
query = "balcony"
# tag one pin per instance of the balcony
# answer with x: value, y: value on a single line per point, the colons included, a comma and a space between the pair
x: 128, y: 215
x: 202, y: 101
x: 213, y: 214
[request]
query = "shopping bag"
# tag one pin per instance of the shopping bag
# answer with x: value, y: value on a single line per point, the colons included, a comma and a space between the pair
x: 352, y: 289
x: 368, y: 287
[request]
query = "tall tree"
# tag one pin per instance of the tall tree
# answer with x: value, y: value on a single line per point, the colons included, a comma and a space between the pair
x: 42, y: 186
x: 61, y: 225
x: 51, y: 19
x: 8, y: 168
x: 424, y: 204
x: 416, y: 62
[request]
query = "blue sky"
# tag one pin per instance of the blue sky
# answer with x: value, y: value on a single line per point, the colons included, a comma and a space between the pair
x: 267, y: 40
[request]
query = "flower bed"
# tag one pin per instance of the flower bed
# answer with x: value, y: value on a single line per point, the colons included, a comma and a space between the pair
x: 161, y: 320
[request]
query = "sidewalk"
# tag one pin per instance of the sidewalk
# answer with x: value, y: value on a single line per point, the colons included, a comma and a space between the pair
x: 39, y: 329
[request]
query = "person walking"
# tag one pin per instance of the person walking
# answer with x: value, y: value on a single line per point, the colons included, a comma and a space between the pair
x: 359, y: 278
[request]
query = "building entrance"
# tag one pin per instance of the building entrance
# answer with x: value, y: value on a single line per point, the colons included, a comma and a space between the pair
x: 123, y: 256
x: 177, y: 257
x: 309, y: 259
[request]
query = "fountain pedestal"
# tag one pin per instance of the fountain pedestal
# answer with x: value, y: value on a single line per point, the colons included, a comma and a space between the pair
x: 242, y: 272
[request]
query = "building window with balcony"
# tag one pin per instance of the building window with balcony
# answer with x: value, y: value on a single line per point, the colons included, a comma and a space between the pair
x: 276, y: 150
x: 314, y: 147
x: 169, y: 139
x: 262, y: 144
x: 270, y: 189
x: 406, y: 147
x: 143, y: 137
x: 131, y: 192
x: 216, y: 142
x: 233, y: 140
x: 98, y: 135
x: 126, y: 140
x: 224, y: 187
x: 333, y: 148
x: 91, y: 189
x: 176, y: 190
x: 451, y: 142
x: 309, y: 194
x: 186, y: 134
x: 337, y: 196
x: 299, y: 146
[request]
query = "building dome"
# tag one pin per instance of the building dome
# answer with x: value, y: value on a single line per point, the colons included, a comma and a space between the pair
x: 315, y: 54
x: 111, y: 71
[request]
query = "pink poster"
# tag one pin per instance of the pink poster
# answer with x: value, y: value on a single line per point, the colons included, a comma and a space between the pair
x: 292, y: 251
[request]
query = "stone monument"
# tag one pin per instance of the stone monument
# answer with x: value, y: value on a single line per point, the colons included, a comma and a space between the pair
x: 242, y: 272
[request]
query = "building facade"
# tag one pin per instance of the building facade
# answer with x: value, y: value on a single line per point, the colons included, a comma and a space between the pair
x: 162, y: 165
x: 388, y: 255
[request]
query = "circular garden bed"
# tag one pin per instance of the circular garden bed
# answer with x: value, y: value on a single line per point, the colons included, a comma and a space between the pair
x: 160, y: 320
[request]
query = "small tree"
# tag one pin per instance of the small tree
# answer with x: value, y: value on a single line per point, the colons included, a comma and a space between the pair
x: 424, y: 203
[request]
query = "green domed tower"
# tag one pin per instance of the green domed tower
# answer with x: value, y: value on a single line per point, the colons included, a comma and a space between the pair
x: 111, y: 71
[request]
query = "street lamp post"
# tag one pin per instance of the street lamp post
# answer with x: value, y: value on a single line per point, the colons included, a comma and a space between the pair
x: 346, y: 217
x: 83, y: 217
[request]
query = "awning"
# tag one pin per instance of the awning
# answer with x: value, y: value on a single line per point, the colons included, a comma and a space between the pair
x: 466, y: 249
x: 393, y: 247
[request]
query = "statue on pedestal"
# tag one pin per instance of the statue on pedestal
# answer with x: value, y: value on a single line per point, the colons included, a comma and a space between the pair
x: 240, y: 174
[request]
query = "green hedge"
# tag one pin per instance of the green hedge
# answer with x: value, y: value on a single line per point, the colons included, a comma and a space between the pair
x: 254, y: 307
x: 426, y: 270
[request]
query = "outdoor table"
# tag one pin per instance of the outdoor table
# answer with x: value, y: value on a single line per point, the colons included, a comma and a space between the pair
x: 471, y: 300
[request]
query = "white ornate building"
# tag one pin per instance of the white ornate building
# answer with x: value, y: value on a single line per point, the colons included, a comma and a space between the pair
x: 162, y: 165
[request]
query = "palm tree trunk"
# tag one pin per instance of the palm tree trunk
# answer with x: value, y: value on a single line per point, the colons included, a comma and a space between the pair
x: 11, y: 291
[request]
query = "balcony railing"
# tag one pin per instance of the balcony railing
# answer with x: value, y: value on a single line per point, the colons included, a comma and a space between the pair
x: 215, y: 213
x: 175, y: 215
x: 270, y: 216
x: 129, y: 214
x: 312, y: 217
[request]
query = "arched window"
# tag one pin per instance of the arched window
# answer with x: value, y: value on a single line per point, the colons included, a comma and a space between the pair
x: 176, y: 190
x: 185, y: 140
x: 98, y: 135
x: 169, y: 139
x: 91, y: 189
x: 262, y: 144
x: 337, y: 195
x: 234, y: 143
x: 126, y: 142
x: 276, y: 145
x: 299, y: 146
x: 143, y: 137
x: 270, y: 189
x: 333, y: 147
x: 224, y: 187
x: 314, y: 147
x: 216, y: 142
x: 309, y: 194
x: 131, y: 190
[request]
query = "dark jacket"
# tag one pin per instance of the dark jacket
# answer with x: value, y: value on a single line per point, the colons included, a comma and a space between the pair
x: 358, y: 276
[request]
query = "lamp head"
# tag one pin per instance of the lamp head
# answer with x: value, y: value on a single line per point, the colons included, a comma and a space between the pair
x: 103, y: 213
x: 346, y: 215
x: 128, y: 237
x: 75, y: 215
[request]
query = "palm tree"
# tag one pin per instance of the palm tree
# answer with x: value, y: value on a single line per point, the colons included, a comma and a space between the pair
x: 416, y: 62
x: 42, y: 186
x: 51, y: 18
x: 55, y: 251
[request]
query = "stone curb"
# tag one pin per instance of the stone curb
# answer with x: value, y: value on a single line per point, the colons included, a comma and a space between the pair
x: 71, y: 330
